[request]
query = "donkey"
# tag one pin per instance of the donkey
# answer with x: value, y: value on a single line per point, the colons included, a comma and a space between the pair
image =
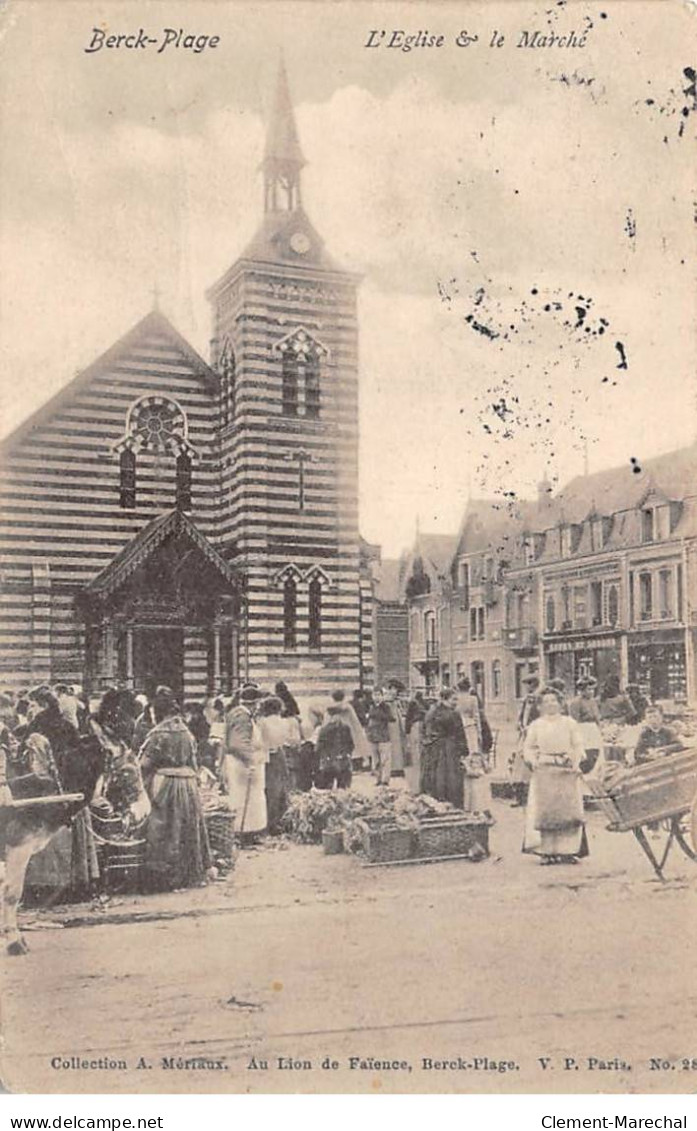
x: 34, y: 806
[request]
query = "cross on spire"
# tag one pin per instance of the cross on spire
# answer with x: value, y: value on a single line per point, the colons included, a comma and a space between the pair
x: 283, y: 157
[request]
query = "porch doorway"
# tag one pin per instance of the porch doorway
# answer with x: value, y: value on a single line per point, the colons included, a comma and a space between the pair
x: 158, y: 658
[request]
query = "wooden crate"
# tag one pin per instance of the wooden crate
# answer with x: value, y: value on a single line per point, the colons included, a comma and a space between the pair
x: 654, y: 790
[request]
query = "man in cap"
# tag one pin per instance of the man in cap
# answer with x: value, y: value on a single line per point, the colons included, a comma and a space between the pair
x: 584, y: 709
x: 242, y: 764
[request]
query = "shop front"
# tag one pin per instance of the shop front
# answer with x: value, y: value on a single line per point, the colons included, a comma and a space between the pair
x: 658, y: 664
x: 597, y: 657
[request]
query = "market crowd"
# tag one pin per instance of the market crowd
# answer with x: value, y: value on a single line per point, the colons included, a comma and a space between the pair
x: 152, y: 771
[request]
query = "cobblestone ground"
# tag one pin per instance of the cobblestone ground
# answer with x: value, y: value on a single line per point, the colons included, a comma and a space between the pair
x: 492, y: 967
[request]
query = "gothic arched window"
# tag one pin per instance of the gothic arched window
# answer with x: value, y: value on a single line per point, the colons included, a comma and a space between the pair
x: 127, y: 481
x: 228, y: 384
x: 312, y: 401
x: 315, y: 614
x: 183, y: 471
x: 290, y: 384
x: 290, y: 614
x: 301, y: 363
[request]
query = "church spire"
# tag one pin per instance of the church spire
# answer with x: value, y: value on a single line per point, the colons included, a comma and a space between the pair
x: 283, y: 158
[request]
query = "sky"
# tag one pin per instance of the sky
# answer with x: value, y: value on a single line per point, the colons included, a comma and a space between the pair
x: 523, y: 219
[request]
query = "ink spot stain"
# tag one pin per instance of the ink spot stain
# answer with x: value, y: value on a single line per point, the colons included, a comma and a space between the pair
x: 277, y: 986
x: 376, y: 1085
x: 636, y: 466
x: 622, y: 364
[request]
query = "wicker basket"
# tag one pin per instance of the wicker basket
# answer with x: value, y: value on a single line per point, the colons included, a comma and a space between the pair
x: 220, y: 826
x: 107, y: 828
x: 122, y: 863
x: 665, y: 787
x: 384, y: 842
x: 453, y: 835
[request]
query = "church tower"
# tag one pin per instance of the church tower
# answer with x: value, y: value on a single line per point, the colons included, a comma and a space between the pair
x: 285, y: 347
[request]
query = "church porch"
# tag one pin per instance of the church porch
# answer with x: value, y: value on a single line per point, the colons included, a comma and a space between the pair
x: 166, y: 610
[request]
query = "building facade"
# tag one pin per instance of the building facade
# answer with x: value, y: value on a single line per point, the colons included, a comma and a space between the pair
x: 599, y: 580
x: 172, y: 520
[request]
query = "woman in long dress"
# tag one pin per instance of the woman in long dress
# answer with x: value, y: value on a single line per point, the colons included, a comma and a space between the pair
x: 554, y: 826
x: 243, y: 768
x: 177, y: 852
x: 444, y: 748
x: 274, y: 735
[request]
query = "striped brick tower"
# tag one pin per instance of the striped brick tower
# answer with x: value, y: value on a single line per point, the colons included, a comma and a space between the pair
x: 285, y: 344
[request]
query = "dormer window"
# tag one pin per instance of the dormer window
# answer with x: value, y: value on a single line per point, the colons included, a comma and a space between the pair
x: 647, y: 525
x: 565, y: 541
x: 597, y: 533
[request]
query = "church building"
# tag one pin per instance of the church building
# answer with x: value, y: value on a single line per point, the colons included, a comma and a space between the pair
x: 167, y: 519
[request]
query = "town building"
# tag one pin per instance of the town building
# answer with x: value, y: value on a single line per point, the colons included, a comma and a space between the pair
x: 599, y: 579
x: 391, y: 623
x: 167, y: 519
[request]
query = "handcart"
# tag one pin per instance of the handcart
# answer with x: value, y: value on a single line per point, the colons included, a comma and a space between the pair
x: 661, y: 793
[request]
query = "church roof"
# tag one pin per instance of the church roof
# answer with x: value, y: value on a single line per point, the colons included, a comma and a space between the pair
x: 153, y: 323
x: 282, y: 143
x: 271, y: 244
x: 438, y: 549
x: 140, y: 548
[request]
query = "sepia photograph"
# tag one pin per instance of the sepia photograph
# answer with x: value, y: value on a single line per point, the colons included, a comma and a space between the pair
x: 348, y: 547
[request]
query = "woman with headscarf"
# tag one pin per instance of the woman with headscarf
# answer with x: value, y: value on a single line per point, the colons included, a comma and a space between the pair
x: 120, y: 791
x: 288, y: 702
x: 554, y: 751
x: 177, y: 853
x: 74, y: 761
x: 45, y: 718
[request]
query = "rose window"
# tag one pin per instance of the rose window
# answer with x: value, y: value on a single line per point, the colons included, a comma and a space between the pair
x: 158, y: 423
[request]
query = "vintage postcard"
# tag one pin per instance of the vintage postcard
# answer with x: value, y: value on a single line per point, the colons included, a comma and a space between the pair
x: 348, y: 563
